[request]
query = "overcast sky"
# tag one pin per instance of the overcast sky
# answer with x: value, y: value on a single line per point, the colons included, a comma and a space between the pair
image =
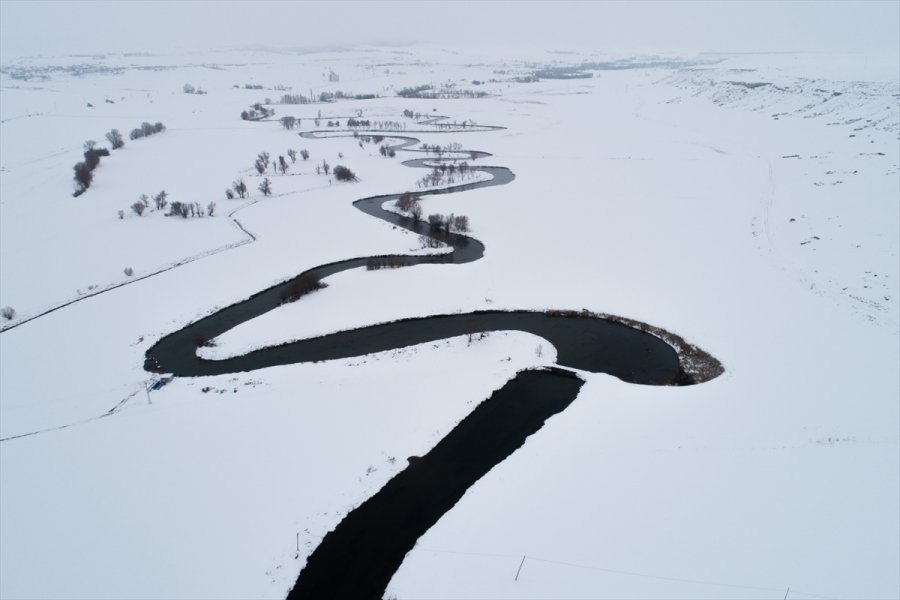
x: 52, y: 27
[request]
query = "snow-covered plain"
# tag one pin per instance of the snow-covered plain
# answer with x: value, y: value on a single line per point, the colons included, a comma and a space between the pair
x: 748, y: 203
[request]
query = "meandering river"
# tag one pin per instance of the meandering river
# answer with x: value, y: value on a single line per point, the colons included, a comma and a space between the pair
x: 359, y: 557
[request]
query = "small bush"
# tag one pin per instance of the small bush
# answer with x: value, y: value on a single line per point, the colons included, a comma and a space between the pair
x: 129, y: 271
x: 8, y: 313
x: 138, y: 208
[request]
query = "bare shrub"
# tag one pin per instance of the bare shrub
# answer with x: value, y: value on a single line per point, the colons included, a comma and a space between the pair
x: 229, y: 194
x: 179, y: 209
x: 138, y: 208
x: 240, y: 188
x: 405, y: 201
x: 342, y: 173
x: 8, y: 313
x: 304, y: 154
x: 436, y: 221
x: 292, y: 154
x: 386, y: 262
x: 300, y: 286
x: 266, y: 187
x: 83, y: 178
x: 129, y: 271
x: 211, y: 208
x: 461, y: 223
x: 429, y: 242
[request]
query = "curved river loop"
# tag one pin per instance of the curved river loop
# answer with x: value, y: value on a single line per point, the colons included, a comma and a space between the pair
x: 358, y: 558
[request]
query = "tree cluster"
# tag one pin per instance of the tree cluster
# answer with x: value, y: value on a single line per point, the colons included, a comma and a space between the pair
x: 451, y: 222
x: 294, y: 99
x: 84, y: 171
x: 190, y: 89
x: 387, y: 151
x: 147, y: 129
x: 189, y: 209
x: 446, y: 173
x: 257, y: 112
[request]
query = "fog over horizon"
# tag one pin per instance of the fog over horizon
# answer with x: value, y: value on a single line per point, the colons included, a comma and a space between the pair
x: 165, y: 27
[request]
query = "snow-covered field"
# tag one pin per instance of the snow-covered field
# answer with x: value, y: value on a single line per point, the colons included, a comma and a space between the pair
x: 748, y: 203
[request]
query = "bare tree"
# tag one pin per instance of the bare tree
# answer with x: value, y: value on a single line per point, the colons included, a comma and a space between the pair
x: 160, y: 200
x: 211, y: 208
x: 325, y: 166
x: 138, y: 208
x: 405, y: 201
x: 288, y: 122
x: 304, y: 154
x: 266, y: 187
x: 260, y: 166
x: 282, y: 165
x: 229, y: 193
x: 240, y: 188
x: 292, y: 154
x: 263, y: 157
x: 115, y: 139
x: 461, y: 223
x: 89, y: 145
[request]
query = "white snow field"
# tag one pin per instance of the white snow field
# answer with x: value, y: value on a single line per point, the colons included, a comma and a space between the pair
x: 749, y: 203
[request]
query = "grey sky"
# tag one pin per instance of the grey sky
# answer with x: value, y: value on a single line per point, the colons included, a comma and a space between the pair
x: 51, y: 27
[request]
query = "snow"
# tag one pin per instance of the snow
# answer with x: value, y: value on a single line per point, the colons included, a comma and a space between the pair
x: 658, y: 194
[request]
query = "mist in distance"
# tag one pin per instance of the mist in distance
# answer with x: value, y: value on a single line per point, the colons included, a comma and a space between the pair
x: 59, y: 28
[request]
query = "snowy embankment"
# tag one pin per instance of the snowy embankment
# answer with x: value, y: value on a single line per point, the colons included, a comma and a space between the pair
x: 635, y: 195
